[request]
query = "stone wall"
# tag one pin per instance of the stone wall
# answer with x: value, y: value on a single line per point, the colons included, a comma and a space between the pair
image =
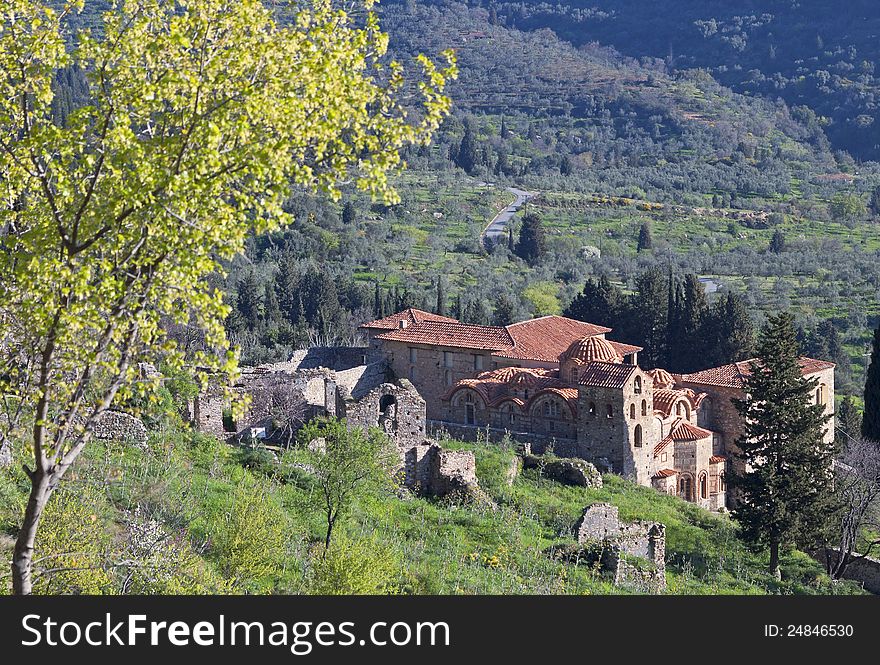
x: 433, y: 370
x: 118, y: 426
x: 600, y: 523
x: 398, y: 410
x: 864, y: 571
x: 430, y: 470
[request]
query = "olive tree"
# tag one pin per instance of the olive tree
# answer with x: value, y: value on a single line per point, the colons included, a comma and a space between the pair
x: 202, y: 116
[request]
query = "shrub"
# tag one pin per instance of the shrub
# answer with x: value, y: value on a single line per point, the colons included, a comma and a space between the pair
x: 354, y: 567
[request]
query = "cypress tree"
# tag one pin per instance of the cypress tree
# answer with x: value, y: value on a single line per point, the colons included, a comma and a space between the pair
x: 847, y: 422
x: 441, y: 301
x: 598, y: 303
x: 647, y: 317
x: 468, y: 155
x: 694, y: 310
x: 505, y: 311
x: 729, y: 331
x: 531, y: 245
x: 349, y: 215
x: 874, y: 202
x: 871, y: 417
x: 783, y: 476
x: 505, y: 132
x: 777, y: 242
x: 645, y: 240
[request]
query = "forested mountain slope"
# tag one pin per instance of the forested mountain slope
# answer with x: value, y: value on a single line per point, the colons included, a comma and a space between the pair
x: 815, y: 53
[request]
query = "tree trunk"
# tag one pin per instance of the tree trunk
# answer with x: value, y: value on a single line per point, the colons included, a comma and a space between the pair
x: 775, y: 571
x: 22, y: 557
x: 5, y: 452
x: 330, y: 521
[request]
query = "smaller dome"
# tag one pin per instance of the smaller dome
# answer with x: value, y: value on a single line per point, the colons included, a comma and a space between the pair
x: 662, y: 378
x: 591, y: 349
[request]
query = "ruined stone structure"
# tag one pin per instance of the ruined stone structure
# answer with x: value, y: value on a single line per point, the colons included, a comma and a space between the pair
x: 561, y: 384
x: 118, y: 426
x: 345, y: 384
x: 643, y: 540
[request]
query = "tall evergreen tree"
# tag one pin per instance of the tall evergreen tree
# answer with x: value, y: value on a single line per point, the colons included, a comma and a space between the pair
x: 505, y: 132
x: 441, y: 300
x: 378, y: 302
x: 505, y: 311
x: 349, y: 214
x: 777, y: 242
x: 249, y: 300
x: 598, y: 303
x: 511, y: 245
x: 646, y: 242
x: 468, y: 154
x: 693, y: 316
x: 871, y: 416
x: 531, y: 245
x: 847, y: 422
x: 783, y: 472
x: 729, y: 332
x: 647, y: 316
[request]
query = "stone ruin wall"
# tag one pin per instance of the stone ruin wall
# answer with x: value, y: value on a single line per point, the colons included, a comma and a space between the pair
x: 601, y: 523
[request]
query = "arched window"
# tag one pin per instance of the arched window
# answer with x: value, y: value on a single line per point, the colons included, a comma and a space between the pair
x: 637, y: 385
x: 632, y: 411
x: 685, y: 488
x: 678, y: 409
x: 820, y: 394
x: 610, y: 413
x: 447, y: 375
x: 573, y: 374
x: 593, y: 409
x: 704, y: 493
x: 508, y: 417
x: 721, y: 484
x: 470, y: 410
x: 637, y: 436
x: 644, y: 407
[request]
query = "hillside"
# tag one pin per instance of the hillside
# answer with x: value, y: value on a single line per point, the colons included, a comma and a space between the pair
x: 804, y: 52
x: 188, y: 514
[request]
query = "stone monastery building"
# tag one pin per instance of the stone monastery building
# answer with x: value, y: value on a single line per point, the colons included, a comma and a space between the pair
x: 560, y: 384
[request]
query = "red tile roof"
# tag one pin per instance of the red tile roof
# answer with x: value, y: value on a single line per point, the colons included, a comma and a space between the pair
x: 624, y: 349
x: 662, y: 445
x: 605, y: 375
x: 590, y: 348
x: 665, y: 473
x: 546, y: 338
x: 452, y: 334
x: 734, y: 375
x: 410, y: 315
x: 684, y: 431
x: 716, y: 459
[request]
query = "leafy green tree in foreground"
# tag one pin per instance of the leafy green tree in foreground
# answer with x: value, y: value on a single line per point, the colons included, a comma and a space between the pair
x: 203, y: 115
x: 783, y: 478
x: 346, y: 464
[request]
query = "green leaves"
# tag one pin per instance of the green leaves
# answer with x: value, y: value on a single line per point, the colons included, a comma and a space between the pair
x: 204, y: 114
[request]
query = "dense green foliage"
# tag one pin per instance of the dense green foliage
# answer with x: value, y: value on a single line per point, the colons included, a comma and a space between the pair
x: 783, y: 479
x: 180, y: 508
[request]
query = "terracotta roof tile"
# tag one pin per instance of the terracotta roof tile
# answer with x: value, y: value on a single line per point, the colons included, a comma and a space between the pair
x: 716, y: 459
x: 410, y: 315
x: 665, y: 473
x: 624, y: 349
x: 452, y: 334
x: 662, y: 445
x: 734, y: 375
x: 605, y: 375
x: 684, y: 431
x: 546, y: 338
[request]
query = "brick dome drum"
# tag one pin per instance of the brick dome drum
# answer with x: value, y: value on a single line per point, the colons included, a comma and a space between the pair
x: 590, y: 349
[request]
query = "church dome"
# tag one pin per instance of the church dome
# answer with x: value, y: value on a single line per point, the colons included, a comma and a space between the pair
x: 590, y: 349
x: 662, y: 378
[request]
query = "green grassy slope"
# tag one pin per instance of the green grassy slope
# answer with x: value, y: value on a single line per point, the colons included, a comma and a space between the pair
x: 191, y: 486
